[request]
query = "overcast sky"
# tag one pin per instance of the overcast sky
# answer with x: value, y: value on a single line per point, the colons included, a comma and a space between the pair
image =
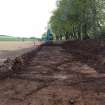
x: 25, y: 18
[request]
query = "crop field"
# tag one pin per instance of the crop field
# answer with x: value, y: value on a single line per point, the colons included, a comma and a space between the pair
x: 15, y: 45
x: 11, y: 49
x: 11, y: 38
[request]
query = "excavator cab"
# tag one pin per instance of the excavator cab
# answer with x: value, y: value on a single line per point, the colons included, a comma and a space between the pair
x: 49, y: 35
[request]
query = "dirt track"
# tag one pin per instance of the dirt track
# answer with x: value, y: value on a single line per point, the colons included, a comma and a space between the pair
x: 54, y: 77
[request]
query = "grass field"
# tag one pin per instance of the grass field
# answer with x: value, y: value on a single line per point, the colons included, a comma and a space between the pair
x: 11, y: 38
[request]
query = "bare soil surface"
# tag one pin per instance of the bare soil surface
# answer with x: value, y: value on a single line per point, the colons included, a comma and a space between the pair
x: 54, y: 77
x: 13, y: 49
x: 15, y: 45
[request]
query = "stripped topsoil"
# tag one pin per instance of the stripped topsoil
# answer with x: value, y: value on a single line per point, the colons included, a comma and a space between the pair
x: 71, y: 73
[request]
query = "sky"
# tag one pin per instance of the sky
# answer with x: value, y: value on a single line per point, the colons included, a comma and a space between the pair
x: 25, y: 18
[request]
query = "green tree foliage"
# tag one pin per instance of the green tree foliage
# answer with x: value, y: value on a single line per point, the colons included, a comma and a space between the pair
x: 78, y: 19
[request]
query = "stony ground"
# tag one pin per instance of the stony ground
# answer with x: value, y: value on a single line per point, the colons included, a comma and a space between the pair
x: 54, y: 77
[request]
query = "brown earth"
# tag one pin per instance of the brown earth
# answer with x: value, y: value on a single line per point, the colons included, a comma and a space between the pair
x: 57, y: 75
x: 12, y: 49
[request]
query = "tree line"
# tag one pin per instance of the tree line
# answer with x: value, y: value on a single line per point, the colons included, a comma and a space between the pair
x: 78, y: 19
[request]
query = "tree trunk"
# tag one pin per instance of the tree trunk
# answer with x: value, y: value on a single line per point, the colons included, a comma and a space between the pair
x: 85, y: 36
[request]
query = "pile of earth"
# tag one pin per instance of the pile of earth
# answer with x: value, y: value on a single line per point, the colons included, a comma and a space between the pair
x: 16, y: 63
x: 91, y: 52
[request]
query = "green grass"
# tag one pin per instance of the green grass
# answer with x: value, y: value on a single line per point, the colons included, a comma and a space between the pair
x: 11, y: 38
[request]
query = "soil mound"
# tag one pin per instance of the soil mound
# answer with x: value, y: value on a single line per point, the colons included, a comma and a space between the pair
x: 91, y: 52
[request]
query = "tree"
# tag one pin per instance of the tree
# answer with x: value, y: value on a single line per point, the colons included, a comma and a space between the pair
x: 78, y: 19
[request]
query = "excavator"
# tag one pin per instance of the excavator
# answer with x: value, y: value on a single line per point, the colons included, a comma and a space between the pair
x: 49, y: 35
